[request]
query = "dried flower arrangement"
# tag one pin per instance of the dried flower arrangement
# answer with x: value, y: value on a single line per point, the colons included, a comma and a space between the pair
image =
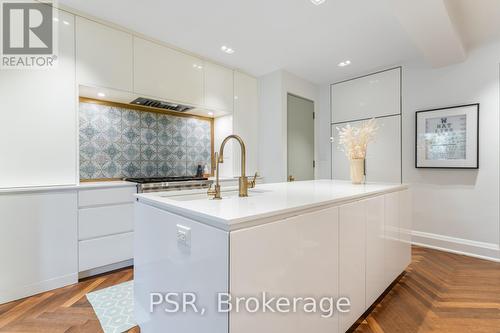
x: 353, y: 141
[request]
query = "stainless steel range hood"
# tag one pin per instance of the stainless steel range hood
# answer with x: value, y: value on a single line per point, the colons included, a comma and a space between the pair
x: 161, y: 104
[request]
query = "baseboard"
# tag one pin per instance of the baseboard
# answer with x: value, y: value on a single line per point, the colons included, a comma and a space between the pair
x: 104, y: 269
x: 37, y: 288
x: 481, y: 250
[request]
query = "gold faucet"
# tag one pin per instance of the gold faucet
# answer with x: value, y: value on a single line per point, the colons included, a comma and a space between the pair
x: 244, y: 184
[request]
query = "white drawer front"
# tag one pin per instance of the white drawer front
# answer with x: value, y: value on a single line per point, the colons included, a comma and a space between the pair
x: 104, y: 221
x: 106, y: 196
x: 104, y: 251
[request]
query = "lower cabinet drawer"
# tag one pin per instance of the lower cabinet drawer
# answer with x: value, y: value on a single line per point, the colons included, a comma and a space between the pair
x: 103, y: 221
x: 104, y: 251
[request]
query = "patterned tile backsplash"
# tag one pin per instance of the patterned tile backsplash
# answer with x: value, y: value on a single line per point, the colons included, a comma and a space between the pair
x: 119, y: 142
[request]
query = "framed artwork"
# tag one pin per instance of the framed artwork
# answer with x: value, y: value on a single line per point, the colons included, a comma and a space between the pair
x: 447, y: 138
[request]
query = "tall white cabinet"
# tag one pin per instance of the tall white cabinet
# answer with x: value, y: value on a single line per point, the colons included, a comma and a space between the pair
x: 38, y: 119
x: 246, y: 120
x: 354, y: 101
x: 219, y: 88
x: 103, y: 55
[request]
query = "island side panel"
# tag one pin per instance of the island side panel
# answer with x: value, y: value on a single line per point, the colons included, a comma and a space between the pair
x: 163, y: 264
x: 352, y: 260
x: 294, y: 257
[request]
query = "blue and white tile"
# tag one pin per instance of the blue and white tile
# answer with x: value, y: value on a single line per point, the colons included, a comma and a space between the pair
x: 165, y: 120
x: 131, y: 168
x: 172, y: 153
x: 131, y: 118
x: 111, y: 170
x: 114, y: 116
x: 149, y: 136
x: 113, y: 150
x: 149, y: 120
x: 149, y: 153
x: 166, y: 169
x: 131, y: 152
x: 88, y: 170
x: 164, y: 138
x: 87, y: 150
x: 131, y: 135
x: 88, y: 132
x: 149, y: 169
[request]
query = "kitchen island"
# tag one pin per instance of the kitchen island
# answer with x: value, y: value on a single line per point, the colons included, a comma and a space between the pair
x: 299, y: 240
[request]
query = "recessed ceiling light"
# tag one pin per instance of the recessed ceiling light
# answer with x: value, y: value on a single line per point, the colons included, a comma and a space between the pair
x: 226, y: 49
x: 197, y: 66
x: 210, y: 113
x: 317, y: 2
x: 344, y: 63
x: 101, y: 94
x: 56, y: 19
x: 66, y: 22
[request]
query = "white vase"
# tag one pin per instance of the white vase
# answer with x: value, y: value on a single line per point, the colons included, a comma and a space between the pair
x: 357, y: 170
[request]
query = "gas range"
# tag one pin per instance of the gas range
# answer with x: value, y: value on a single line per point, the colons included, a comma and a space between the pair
x: 160, y: 184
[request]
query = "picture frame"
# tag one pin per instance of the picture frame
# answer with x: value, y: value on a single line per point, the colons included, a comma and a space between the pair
x: 447, y: 138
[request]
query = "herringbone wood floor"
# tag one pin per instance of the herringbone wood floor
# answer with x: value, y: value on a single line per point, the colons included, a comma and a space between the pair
x: 441, y: 292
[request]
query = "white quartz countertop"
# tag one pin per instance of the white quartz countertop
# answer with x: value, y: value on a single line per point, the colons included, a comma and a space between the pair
x: 264, y: 203
x: 79, y: 186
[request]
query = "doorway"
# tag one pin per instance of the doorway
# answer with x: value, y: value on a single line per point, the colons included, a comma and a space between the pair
x: 300, y: 138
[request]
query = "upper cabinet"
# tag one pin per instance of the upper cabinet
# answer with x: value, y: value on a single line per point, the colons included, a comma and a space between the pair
x: 111, y: 58
x: 246, y: 120
x: 104, y: 56
x: 38, y: 114
x: 371, y: 96
x: 167, y: 74
x: 218, y: 87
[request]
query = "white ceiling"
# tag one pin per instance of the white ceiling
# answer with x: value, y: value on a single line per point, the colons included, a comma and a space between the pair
x: 267, y: 35
x: 477, y: 21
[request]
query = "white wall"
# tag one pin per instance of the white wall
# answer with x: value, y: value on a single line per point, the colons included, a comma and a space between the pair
x: 456, y: 210
x: 274, y: 88
x: 462, y: 204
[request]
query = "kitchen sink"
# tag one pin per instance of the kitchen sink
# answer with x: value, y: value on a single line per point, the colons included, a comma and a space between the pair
x: 203, y: 196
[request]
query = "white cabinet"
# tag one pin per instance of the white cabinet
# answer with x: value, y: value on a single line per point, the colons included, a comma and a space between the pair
x: 106, y: 196
x: 246, y: 120
x: 38, y: 119
x: 102, y: 221
x: 105, y: 228
x: 375, y: 242
x: 38, y: 242
x: 103, y: 56
x: 367, y: 97
x: 392, y: 244
x: 103, y: 251
x: 353, y: 101
x: 218, y: 87
x: 352, y: 258
x: 290, y: 258
x: 405, y: 227
x: 398, y: 225
x: 167, y: 74
x: 383, y: 158
x: 164, y: 264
